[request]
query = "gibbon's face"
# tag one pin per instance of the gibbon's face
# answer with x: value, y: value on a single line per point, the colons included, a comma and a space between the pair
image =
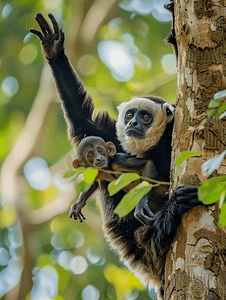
x: 137, y: 121
x: 94, y: 152
x: 142, y: 122
x: 97, y: 156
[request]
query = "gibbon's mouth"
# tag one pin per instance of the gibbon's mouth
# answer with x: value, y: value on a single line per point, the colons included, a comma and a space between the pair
x: 102, y: 164
x: 134, y: 132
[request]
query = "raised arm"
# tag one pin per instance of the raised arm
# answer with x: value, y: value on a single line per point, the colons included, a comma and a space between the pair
x: 76, y: 103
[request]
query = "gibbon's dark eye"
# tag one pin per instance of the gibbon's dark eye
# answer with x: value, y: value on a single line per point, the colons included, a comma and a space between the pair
x: 146, y: 117
x: 129, y: 115
x: 100, y: 150
x: 90, y: 155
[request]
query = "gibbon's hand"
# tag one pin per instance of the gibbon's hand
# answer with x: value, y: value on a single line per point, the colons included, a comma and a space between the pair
x: 75, y: 211
x: 52, y: 42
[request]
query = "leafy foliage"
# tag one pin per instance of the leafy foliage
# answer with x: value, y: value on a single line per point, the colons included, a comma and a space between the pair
x: 184, y: 155
x: 125, y: 179
x: 216, y: 107
x: 214, y: 189
x: 130, y: 200
x: 210, y: 191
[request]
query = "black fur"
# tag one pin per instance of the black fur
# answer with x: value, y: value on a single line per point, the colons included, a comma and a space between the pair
x: 142, y: 247
x: 136, y: 244
x: 78, y: 106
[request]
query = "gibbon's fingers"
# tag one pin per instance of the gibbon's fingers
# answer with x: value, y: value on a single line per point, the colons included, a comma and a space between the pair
x: 43, y: 21
x: 61, y: 37
x: 82, y: 216
x: 70, y: 213
x: 54, y: 22
x: 36, y: 32
x: 40, y: 24
x: 75, y: 217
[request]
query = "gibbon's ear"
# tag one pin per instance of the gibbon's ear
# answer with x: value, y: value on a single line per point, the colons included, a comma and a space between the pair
x: 121, y: 106
x: 169, y: 111
x: 111, y: 149
x: 76, y: 163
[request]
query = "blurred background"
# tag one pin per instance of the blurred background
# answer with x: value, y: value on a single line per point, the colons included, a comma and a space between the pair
x: 118, y: 50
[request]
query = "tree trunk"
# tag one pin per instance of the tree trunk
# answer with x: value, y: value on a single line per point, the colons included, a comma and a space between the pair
x: 196, y: 261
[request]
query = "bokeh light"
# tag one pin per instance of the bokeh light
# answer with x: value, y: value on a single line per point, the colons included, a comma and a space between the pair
x: 133, y: 295
x: 76, y: 239
x: 93, y: 257
x: 4, y: 257
x: 37, y: 173
x: 10, y: 276
x: 159, y: 12
x: 143, y: 7
x: 90, y: 292
x: 64, y: 259
x: 15, y: 237
x: 28, y: 54
x: 45, y: 284
x: 168, y: 64
x: 10, y: 86
x: 79, y: 265
x: 28, y: 37
x: 51, y: 4
x: 146, y: 7
x: 118, y: 58
x: 7, y: 9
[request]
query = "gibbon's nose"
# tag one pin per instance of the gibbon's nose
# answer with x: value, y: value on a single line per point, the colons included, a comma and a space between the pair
x: 134, y: 123
x: 99, y: 158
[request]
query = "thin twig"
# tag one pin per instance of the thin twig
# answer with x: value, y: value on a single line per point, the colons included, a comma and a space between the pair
x: 141, y: 177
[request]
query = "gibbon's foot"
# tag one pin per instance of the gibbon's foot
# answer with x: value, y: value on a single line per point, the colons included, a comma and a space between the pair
x: 186, y: 197
x: 143, y: 213
x: 76, y: 213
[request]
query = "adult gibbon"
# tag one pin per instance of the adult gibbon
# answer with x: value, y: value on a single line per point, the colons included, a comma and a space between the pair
x: 144, y: 128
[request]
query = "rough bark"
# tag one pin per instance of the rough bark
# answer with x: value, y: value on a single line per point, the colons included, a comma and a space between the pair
x: 195, y: 263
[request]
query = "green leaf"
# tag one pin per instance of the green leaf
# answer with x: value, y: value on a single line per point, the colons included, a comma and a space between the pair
x: 214, y: 103
x: 69, y: 174
x: 222, y: 216
x: 130, y: 200
x: 210, y: 112
x: 83, y: 186
x: 221, y: 109
x: 222, y: 198
x: 210, y: 191
x: 125, y: 179
x: 90, y: 175
x: 184, y: 155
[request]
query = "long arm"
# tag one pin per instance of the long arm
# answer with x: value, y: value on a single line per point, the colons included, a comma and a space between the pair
x: 123, y: 162
x: 76, y: 103
x: 76, y: 208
